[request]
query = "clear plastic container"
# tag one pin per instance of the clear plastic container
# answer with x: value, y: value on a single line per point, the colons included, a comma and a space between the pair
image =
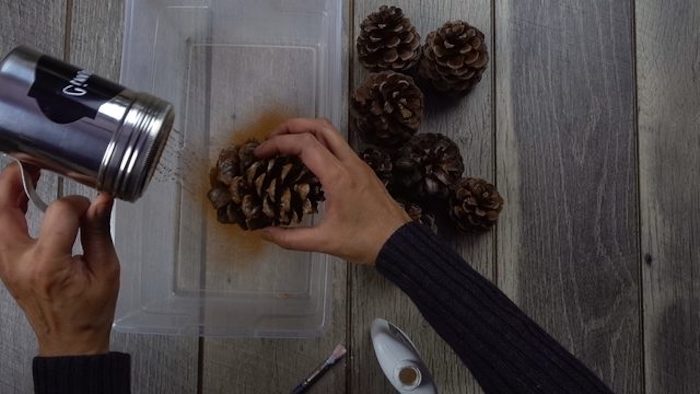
x: 222, y: 63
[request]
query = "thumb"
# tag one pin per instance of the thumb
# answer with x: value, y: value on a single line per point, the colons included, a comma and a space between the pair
x: 95, y: 233
x: 302, y: 239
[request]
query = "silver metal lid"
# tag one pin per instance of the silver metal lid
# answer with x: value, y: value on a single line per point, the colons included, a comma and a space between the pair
x: 135, y: 149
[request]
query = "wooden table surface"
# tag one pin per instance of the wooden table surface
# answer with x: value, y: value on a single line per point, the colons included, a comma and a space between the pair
x: 588, y: 122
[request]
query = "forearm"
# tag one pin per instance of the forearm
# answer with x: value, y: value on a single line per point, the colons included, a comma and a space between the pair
x: 505, y: 350
x: 108, y: 374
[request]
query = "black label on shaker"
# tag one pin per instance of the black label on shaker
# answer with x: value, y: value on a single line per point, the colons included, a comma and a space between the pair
x: 66, y: 93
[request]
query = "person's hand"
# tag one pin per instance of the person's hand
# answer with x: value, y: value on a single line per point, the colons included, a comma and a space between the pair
x: 68, y: 300
x: 360, y: 214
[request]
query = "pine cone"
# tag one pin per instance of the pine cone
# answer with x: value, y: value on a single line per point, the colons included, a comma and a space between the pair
x: 257, y: 193
x: 413, y: 210
x: 388, y: 108
x: 380, y: 162
x: 417, y: 214
x: 475, y: 205
x: 388, y: 41
x: 427, y: 166
x: 455, y: 57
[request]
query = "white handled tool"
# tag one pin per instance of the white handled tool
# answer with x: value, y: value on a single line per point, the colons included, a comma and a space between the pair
x: 400, y: 360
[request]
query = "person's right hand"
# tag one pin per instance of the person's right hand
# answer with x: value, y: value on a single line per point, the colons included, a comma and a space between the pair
x: 360, y: 214
x: 69, y: 300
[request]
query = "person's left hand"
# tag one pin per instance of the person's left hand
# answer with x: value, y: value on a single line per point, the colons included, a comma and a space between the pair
x: 69, y: 300
x: 360, y: 213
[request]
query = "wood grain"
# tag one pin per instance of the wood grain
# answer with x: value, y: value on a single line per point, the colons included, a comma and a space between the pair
x: 159, y: 364
x: 469, y: 122
x: 567, y: 245
x: 40, y: 24
x: 668, y: 68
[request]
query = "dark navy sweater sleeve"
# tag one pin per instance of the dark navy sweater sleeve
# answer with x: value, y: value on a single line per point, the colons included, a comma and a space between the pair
x: 505, y: 350
x: 106, y: 374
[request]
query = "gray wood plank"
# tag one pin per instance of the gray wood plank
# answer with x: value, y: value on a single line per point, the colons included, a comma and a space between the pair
x: 668, y: 67
x: 470, y: 123
x: 568, y: 245
x: 40, y: 24
x: 160, y: 364
x: 276, y: 365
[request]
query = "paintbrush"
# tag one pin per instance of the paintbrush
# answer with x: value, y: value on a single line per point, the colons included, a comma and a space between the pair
x: 337, y: 354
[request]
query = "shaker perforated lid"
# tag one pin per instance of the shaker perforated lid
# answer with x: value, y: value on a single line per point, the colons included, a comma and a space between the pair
x: 133, y: 154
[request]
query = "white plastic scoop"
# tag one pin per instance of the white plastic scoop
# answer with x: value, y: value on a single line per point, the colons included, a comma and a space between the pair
x: 400, y: 360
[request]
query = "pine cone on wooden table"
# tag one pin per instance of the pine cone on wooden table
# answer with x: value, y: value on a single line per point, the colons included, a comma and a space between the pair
x: 388, y: 109
x: 427, y: 166
x: 475, y: 205
x: 454, y: 57
x: 388, y: 41
x: 256, y: 193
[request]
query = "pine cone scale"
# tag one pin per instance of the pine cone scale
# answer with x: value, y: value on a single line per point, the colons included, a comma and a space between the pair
x: 442, y: 176
x: 236, y: 189
x: 391, y: 56
x: 249, y: 208
x: 395, y: 41
x: 219, y: 197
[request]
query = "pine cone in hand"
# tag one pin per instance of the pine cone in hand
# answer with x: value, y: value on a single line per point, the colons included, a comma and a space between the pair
x: 388, y: 41
x: 380, y: 162
x: 256, y: 193
x: 475, y: 204
x: 388, y: 109
x: 427, y: 166
x: 455, y: 57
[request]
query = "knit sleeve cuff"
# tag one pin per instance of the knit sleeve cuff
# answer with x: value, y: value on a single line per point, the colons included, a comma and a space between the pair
x: 406, y: 246
x: 106, y: 373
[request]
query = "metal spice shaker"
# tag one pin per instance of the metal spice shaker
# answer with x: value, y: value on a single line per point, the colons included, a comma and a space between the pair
x: 62, y: 118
